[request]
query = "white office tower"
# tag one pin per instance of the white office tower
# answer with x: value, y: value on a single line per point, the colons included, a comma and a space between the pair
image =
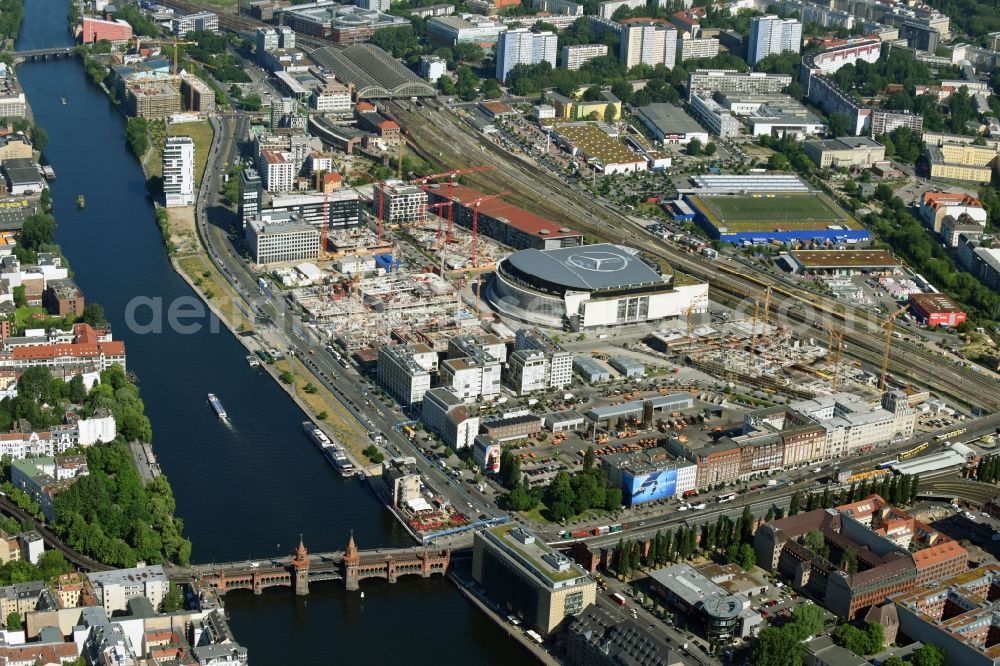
x: 178, y: 171
x: 648, y: 43
x: 523, y: 47
x: 771, y: 35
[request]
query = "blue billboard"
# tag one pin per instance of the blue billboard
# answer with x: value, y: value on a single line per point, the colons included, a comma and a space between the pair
x: 649, y: 487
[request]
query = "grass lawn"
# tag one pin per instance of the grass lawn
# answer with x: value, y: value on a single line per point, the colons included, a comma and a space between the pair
x: 214, y: 287
x: 201, y: 132
x: 537, y: 516
x: 22, y: 316
x: 339, y: 421
x: 788, y: 211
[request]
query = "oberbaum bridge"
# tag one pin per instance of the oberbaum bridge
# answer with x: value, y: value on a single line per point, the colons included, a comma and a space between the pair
x: 302, y: 568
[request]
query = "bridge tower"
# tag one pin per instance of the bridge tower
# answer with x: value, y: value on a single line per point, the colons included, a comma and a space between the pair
x: 351, y: 560
x: 300, y: 569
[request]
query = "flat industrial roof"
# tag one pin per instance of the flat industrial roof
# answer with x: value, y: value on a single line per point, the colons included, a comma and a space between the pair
x: 844, y: 258
x: 597, y: 144
x: 670, y: 119
x: 672, y: 401
x: 935, y: 303
x: 590, y: 267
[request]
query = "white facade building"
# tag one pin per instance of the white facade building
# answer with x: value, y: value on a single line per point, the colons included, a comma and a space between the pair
x: 528, y: 370
x: 688, y: 49
x: 523, y: 47
x: 433, y: 68
x: 405, y: 371
x: 113, y: 589
x: 178, y: 171
x: 574, y: 57
x: 276, y: 237
x: 445, y: 413
x: 648, y: 43
x: 472, y: 377
x: 772, y: 35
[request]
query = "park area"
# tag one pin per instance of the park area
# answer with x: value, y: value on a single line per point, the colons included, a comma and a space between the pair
x: 760, y: 212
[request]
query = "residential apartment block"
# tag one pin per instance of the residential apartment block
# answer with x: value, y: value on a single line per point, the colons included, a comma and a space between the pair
x: 445, y: 413
x: 703, y: 47
x: 278, y: 170
x: 708, y: 81
x: 207, y: 21
x: 560, y: 361
x: 883, y: 121
x: 528, y: 371
x: 404, y: 370
x: 397, y: 201
x: 574, y: 57
x: 113, y: 589
x: 178, y: 171
x: 472, y: 377
x: 648, y: 43
x: 523, y: 47
x: 896, y: 554
x: 770, y: 35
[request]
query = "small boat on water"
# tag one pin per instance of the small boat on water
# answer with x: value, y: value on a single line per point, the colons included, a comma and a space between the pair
x: 62, y: 101
x: 253, y: 361
x: 217, y: 406
x: 80, y: 201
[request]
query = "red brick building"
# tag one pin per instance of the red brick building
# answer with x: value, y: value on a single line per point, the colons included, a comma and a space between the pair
x: 94, y: 30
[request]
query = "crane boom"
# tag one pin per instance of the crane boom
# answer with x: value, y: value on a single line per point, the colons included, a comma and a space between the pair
x: 889, y: 324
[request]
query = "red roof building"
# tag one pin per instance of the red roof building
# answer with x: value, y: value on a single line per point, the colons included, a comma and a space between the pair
x: 95, y: 30
x: 504, y: 222
x: 936, y: 310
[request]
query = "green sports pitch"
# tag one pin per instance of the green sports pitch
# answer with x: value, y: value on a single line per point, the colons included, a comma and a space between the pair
x: 764, y: 212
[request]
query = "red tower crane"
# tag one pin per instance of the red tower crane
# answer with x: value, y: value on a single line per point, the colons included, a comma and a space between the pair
x: 475, y: 222
x: 326, y: 228
x: 451, y: 176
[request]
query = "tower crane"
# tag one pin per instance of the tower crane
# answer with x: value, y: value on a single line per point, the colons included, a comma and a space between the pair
x: 451, y: 176
x: 475, y: 222
x: 888, y: 324
x: 836, y: 346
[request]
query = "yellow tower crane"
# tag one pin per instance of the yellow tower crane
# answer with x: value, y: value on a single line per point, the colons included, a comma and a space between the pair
x: 888, y: 324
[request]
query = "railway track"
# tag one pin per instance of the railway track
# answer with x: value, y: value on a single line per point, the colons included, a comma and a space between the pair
x: 455, y: 145
x: 75, y: 558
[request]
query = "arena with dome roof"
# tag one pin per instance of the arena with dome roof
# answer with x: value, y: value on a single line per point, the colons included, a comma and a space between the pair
x: 591, y: 286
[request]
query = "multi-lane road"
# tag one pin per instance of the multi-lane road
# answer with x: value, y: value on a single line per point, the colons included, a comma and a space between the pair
x: 213, y: 221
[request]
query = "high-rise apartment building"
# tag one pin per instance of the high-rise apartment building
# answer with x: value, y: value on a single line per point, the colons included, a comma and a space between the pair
x: 648, y: 43
x: 772, y: 35
x: 523, y: 47
x: 574, y: 57
x: 178, y: 171
x: 251, y: 194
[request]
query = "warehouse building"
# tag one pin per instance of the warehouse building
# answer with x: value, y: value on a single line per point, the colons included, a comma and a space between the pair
x: 670, y: 124
x: 936, y: 310
x: 842, y: 262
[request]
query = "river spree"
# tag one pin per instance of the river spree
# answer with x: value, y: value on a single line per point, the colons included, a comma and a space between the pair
x: 249, y: 488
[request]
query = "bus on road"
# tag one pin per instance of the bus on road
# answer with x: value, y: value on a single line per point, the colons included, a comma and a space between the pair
x: 618, y: 598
